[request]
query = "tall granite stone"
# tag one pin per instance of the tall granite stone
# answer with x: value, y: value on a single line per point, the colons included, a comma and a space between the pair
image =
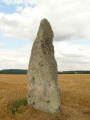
x: 43, y: 89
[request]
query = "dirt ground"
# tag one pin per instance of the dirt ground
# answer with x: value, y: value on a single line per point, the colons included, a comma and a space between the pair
x: 75, y: 97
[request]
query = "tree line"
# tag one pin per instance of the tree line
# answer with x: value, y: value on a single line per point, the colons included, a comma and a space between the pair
x: 20, y: 71
x: 74, y: 72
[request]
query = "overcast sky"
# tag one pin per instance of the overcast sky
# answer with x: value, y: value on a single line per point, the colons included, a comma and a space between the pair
x: 70, y: 21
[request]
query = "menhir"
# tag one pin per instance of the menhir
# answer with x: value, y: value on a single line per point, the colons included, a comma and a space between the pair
x: 43, y: 89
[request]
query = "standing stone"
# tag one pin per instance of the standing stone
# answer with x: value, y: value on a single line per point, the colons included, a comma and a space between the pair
x: 43, y: 89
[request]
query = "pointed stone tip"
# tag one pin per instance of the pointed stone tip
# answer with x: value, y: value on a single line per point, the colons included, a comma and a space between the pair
x: 44, y: 21
x: 45, y: 27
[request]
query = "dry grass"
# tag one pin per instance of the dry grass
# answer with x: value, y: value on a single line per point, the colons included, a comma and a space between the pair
x: 75, y: 96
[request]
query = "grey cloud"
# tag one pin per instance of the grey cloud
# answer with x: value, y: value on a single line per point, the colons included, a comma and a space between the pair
x: 73, y: 58
x: 9, y: 22
x: 72, y: 55
x: 63, y: 37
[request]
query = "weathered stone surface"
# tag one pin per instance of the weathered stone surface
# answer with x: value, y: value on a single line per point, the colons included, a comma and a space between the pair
x: 43, y: 89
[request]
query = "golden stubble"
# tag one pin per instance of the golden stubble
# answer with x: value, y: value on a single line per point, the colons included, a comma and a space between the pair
x: 75, y: 98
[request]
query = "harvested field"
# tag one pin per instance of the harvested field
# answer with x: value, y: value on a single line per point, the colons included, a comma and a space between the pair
x: 75, y: 97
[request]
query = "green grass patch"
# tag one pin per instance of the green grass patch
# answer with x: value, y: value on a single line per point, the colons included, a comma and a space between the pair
x: 17, y: 106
